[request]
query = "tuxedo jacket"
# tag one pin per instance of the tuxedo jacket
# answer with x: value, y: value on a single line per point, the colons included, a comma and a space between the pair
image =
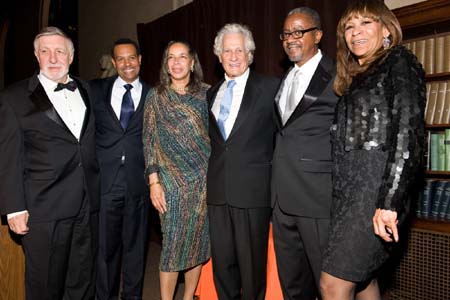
x: 43, y: 168
x: 301, y: 172
x: 117, y: 147
x: 240, y: 167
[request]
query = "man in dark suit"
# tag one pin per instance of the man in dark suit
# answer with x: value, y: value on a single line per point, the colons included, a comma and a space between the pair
x: 301, y: 167
x: 118, y: 106
x: 238, y: 181
x: 49, y: 173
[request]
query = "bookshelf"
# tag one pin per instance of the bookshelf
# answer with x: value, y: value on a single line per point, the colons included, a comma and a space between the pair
x: 423, y: 272
x: 427, y: 35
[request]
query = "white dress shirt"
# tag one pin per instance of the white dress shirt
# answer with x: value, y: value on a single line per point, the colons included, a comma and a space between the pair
x: 306, y: 73
x: 69, y: 104
x: 238, y: 93
x: 118, y: 91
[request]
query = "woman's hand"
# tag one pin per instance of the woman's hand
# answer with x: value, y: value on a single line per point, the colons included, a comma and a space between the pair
x: 385, y: 224
x: 157, y: 193
x: 158, y: 198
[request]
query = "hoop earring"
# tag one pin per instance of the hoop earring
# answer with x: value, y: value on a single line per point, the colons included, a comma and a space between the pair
x: 386, y: 42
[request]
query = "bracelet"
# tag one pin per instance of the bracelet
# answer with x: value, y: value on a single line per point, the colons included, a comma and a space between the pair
x: 153, y: 183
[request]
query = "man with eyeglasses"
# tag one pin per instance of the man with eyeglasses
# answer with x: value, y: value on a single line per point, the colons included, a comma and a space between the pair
x: 301, y: 166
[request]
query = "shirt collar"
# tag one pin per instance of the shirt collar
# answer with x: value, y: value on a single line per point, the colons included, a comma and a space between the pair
x: 120, y: 82
x: 48, y: 84
x: 311, y: 65
x: 240, y: 79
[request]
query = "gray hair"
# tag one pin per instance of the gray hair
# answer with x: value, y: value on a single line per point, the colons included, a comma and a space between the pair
x: 235, y: 28
x: 48, y: 31
x: 309, y: 12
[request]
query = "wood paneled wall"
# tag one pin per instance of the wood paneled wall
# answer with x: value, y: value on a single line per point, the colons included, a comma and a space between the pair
x: 12, y: 267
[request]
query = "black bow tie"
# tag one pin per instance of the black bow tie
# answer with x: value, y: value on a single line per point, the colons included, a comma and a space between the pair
x: 71, y: 86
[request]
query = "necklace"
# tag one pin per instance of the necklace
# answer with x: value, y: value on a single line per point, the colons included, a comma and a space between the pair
x: 179, y: 89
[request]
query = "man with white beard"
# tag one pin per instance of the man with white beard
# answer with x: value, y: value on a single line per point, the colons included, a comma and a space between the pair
x: 49, y: 173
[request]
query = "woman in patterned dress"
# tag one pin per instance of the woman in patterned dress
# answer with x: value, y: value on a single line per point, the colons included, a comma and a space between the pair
x: 176, y: 150
x: 377, y: 148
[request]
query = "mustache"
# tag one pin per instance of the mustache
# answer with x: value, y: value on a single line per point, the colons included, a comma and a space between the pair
x: 294, y: 44
x: 54, y: 65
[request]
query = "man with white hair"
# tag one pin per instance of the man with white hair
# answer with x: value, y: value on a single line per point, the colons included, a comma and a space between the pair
x: 49, y: 174
x: 238, y: 195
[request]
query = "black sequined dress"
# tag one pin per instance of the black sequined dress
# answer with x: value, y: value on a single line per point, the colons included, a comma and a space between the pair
x: 377, y: 146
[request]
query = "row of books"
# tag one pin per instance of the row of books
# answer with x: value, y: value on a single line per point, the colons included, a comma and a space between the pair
x: 437, y: 110
x: 432, y: 52
x: 434, y: 202
x: 438, y: 150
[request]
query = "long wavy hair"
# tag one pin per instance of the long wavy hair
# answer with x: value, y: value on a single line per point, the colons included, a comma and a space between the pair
x: 196, y: 77
x: 347, y: 64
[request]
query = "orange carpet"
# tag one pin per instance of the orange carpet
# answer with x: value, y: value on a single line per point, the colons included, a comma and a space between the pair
x: 207, y: 291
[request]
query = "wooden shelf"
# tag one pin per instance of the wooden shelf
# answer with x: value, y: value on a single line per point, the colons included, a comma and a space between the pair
x: 437, y: 173
x: 438, y: 77
x: 423, y: 13
x: 436, y: 126
x: 424, y: 18
x: 437, y: 225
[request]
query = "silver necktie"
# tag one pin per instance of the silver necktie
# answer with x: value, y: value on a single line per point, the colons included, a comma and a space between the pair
x: 291, y: 100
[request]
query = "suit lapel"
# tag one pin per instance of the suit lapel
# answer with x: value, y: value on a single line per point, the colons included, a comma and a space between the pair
x: 107, y: 99
x: 212, y: 93
x: 134, y: 117
x: 317, y: 85
x: 277, y: 100
x: 144, y: 92
x: 251, y: 94
x: 40, y: 99
x: 85, y: 97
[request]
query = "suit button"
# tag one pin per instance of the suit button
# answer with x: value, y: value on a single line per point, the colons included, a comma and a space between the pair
x: 80, y: 164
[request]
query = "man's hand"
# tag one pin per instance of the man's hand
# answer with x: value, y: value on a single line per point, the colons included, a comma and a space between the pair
x: 19, y: 223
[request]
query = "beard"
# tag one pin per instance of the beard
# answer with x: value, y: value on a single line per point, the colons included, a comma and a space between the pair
x: 57, y: 76
x: 294, y: 57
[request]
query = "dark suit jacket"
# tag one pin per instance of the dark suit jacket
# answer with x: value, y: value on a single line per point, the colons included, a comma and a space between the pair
x: 43, y: 168
x: 239, y: 168
x: 301, y: 169
x: 113, y: 141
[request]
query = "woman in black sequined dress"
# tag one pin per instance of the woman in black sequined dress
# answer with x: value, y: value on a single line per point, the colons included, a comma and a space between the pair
x: 377, y: 146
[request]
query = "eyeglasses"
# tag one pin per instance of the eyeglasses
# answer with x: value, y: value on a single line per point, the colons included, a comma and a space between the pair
x: 296, y: 34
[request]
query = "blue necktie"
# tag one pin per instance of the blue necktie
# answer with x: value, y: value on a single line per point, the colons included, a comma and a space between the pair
x: 127, y: 109
x: 225, y: 106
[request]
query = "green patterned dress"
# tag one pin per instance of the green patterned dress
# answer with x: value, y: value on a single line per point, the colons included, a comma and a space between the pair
x: 176, y: 143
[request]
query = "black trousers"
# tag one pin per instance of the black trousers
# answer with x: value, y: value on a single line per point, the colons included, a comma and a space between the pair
x: 299, y: 245
x: 123, y: 242
x: 60, y: 257
x: 239, y: 238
